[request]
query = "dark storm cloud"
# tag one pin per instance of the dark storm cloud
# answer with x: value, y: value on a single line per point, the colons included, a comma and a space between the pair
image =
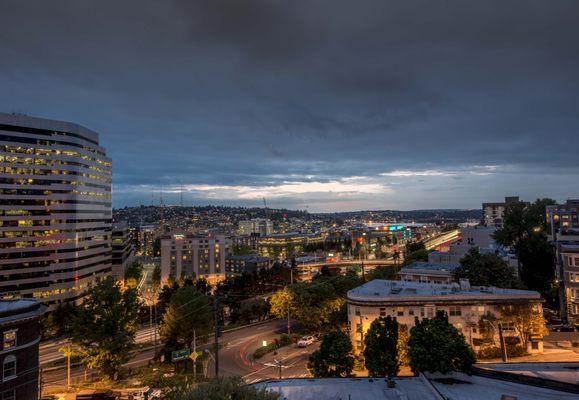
x: 252, y: 94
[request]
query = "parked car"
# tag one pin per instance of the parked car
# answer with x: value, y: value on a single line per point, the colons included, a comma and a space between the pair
x: 306, y: 341
x: 562, y: 328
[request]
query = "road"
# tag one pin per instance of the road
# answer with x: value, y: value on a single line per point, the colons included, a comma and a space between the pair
x: 235, y: 357
x: 49, y: 350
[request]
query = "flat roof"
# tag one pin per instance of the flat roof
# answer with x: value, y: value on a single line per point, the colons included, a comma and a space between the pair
x: 380, y: 290
x: 567, y: 372
x: 418, y: 266
x: 461, y: 386
x: 27, y: 121
x: 351, y: 389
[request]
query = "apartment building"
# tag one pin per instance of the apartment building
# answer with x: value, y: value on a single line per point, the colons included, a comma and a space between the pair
x: 562, y: 217
x: 194, y: 256
x: 55, y: 214
x: 427, y: 273
x: 567, y: 273
x: 493, y: 212
x: 465, y: 305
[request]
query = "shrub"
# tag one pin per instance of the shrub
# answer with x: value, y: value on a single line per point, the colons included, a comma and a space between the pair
x: 496, y: 352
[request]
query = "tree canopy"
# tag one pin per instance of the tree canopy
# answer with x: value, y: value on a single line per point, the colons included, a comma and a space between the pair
x: 437, y: 346
x: 333, y: 358
x: 189, y: 312
x: 104, y: 326
x: 381, y: 347
x: 486, y: 270
x: 523, y: 229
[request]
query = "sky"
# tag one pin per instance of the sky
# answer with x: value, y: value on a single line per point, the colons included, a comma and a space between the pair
x: 324, y: 105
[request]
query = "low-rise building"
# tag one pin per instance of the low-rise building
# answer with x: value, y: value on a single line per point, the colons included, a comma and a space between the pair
x: 493, y: 212
x: 427, y: 273
x: 283, y: 245
x: 246, y: 264
x: 567, y: 273
x: 562, y: 217
x: 479, y: 237
x: 185, y: 255
x: 20, y: 336
x: 465, y: 306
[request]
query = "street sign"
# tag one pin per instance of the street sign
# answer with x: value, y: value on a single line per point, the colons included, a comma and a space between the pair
x: 179, y: 355
x: 193, y: 356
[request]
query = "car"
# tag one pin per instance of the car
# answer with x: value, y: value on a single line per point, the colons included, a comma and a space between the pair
x: 562, y: 328
x: 306, y: 341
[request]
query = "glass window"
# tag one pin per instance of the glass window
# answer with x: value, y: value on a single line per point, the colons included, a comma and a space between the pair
x: 9, y: 395
x: 454, y: 311
x: 9, y: 339
x: 357, y: 311
x: 400, y: 311
x: 382, y: 312
x: 9, y: 368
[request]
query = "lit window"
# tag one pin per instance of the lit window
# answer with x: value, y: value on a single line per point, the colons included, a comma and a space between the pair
x: 454, y: 311
x: 9, y: 339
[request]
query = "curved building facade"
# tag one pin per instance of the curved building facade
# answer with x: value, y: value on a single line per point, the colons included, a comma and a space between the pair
x: 55, y: 209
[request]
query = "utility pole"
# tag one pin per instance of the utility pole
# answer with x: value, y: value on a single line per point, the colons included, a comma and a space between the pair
x: 288, y: 306
x: 503, y: 345
x: 195, y: 351
x: 68, y: 367
x: 216, y: 316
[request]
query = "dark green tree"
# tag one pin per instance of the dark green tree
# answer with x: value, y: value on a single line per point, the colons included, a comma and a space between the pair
x: 524, y: 231
x: 437, y: 346
x: 134, y: 273
x: 381, y: 347
x: 189, y: 312
x: 333, y: 359
x: 156, y: 278
x: 104, y: 326
x: 486, y: 270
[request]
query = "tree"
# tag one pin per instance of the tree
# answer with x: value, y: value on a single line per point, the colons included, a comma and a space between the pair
x: 333, y: 359
x: 189, y: 312
x: 133, y: 274
x: 318, y: 305
x: 105, y: 325
x: 382, y: 272
x: 486, y: 270
x: 437, y: 346
x: 418, y: 255
x: 526, y: 319
x: 524, y: 231
x: 223, y: 389
x: 381, y: 347
x: 156, y: 278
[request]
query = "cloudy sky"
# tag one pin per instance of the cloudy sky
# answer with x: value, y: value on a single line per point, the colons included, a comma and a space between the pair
x: 324, y: 104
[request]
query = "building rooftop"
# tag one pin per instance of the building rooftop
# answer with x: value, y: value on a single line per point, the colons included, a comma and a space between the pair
x: 432, y: 268
x: 351, y: 389
x: 380, y: 290
x: 461, y: 386
x: 249, y: 257
x: 16, y: 309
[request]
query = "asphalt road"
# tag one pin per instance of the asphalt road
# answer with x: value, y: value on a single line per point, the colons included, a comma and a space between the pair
x: 235, y: 357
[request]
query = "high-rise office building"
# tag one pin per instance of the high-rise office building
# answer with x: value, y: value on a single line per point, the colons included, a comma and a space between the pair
x: 55, y: 214
x: 123, y: 250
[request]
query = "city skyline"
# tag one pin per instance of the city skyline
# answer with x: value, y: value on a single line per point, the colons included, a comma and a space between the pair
x: 319, y: 106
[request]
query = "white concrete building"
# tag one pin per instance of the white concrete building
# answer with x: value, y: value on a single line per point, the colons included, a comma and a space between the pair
x: 193, y: 256
x: 465, y: 305
x: 55, y: 213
